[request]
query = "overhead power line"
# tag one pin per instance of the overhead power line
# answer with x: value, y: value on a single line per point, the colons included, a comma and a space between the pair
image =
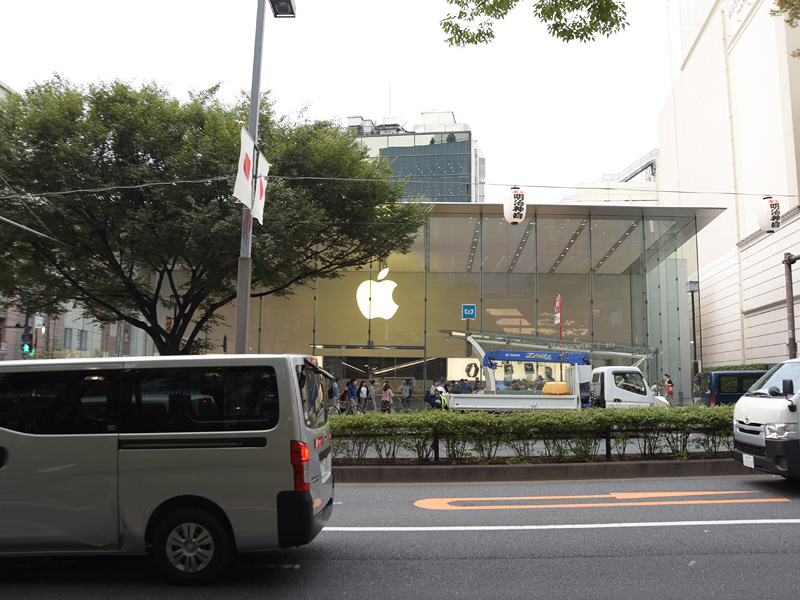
x: 598, y: 188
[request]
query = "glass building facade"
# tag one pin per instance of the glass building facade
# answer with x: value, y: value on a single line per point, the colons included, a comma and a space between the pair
x: 433, y: 165
x: 620, y: 272
x: 438, y: 160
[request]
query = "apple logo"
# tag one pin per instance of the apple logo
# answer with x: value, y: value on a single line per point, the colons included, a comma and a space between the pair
x: 380, y: 305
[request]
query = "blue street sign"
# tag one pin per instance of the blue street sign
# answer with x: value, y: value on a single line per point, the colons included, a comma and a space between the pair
x: 468, y: 311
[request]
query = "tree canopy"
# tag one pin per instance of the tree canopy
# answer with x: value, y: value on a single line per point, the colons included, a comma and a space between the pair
x: 790, y: 11
x: 568, y: 20
x: 125, y: 196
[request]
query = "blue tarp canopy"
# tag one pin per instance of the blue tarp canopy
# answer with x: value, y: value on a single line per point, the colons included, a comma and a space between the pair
x: 573, y: 358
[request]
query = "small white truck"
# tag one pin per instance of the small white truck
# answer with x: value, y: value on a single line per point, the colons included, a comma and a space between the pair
x: 610, y: 387
x: 766, y: 422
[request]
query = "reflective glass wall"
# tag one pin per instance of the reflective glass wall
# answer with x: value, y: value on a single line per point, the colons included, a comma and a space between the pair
x: 436, y: 166
x: 620, y: 276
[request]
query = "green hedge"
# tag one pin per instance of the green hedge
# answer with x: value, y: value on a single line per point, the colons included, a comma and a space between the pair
x: 535, y: 436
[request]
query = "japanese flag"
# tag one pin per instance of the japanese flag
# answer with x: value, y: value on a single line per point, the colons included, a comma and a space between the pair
x: 243, y: 188
x: 261, y: 188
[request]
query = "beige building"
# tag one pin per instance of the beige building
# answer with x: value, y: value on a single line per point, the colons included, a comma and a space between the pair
x: 728, y: 137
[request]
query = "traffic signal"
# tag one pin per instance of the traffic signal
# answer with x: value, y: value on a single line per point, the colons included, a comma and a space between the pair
x: 27, y: 342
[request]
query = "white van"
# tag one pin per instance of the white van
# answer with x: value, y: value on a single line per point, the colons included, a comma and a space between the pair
x: 765, y: 422
x: 192, y: 458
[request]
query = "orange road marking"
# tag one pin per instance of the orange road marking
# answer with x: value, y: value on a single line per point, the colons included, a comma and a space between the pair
x: 447, y: 503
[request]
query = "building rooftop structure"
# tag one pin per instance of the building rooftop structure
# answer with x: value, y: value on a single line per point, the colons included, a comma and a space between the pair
x: 438, y: 159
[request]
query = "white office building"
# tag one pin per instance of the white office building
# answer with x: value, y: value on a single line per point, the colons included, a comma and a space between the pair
x: 728, y: 137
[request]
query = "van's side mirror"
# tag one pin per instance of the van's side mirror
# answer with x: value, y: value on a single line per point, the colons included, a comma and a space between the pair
x: 788, y: 390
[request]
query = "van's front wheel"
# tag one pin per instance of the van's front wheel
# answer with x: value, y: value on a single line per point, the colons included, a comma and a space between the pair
x: 192, y: 547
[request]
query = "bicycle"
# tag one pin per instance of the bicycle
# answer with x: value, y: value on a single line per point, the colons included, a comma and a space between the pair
x: 353, y: 408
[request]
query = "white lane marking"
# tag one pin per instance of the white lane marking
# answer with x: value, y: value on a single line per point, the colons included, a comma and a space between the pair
x: 567, y: 526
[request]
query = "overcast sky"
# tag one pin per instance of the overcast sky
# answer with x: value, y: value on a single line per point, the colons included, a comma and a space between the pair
x: 545, y: 113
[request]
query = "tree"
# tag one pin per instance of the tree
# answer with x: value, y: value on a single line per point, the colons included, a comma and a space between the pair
x: 130, y: 190
x: 790, y: 10
x: 568, y: 20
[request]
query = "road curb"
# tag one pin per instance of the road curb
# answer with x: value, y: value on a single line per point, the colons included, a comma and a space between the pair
x: 443, y: 473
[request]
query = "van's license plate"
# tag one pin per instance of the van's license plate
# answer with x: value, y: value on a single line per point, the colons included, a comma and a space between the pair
x: 747, y: 461
x: 325, y: 466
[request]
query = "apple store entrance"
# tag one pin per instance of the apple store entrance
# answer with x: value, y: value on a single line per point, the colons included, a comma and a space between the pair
x: 619, y: 272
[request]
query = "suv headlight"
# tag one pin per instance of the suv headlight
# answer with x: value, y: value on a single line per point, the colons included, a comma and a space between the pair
x: 780, y: 431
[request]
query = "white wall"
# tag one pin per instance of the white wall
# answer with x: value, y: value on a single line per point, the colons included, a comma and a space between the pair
x: 727, y: 138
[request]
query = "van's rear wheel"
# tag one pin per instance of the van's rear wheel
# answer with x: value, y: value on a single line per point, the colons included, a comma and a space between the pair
x: 192, y: 547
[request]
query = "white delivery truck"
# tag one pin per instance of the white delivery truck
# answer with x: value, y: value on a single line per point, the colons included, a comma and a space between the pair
x: 612, y: 387
x: 765, y: 422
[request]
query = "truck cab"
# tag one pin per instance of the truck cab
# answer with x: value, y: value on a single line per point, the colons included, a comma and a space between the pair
x: 765, y: 422
x: 620, y: 387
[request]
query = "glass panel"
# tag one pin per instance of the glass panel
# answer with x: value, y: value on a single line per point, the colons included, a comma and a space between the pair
x: 509, y: 281
x: 564, y: 265
x: 618, y: 282
x: 453, y: 280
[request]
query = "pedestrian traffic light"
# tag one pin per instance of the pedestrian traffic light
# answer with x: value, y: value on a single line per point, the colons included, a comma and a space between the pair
x: 27, y: 348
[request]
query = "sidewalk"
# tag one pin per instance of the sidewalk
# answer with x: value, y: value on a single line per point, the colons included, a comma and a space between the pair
x: 443, y: 473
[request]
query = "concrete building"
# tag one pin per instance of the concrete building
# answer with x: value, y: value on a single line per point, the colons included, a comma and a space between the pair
x: 438, y: 160
x: 728, y: 136
x: 5, y: 90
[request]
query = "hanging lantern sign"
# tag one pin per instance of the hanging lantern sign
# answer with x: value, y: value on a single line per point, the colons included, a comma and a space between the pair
x: 769, y: 214
x: 514, y: 206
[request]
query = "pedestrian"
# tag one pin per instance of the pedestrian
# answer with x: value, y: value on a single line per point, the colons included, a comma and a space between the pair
x: 386, y: 398
x: 352, y: 393
x: 333, y: 391
x: 363, y: 395
x: 465, y: 387
x: 440, y: 398
x: 669, y: 389
x: 406, y: 390
x: 430, y: 395
x: 371, y: 407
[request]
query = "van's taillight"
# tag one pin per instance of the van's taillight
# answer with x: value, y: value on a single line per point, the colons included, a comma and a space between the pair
x: 713, y: 399
x: 300, y: 458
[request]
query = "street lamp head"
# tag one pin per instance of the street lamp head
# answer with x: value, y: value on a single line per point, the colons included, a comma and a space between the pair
x: 282, y: 8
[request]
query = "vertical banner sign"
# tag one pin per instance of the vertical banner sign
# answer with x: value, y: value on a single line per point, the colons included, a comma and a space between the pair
x: 769, y: 214
x: 558, y: 314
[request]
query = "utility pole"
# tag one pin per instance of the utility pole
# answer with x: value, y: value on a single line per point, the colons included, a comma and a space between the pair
x: 788, y: 261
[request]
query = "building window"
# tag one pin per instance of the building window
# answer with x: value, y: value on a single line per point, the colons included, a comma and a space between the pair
x: 67, y: 338
x: 82, y: 339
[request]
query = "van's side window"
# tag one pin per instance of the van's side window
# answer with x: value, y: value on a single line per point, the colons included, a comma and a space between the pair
x: 187, y: 399
x: 59, y: 402
x: 312, y: 396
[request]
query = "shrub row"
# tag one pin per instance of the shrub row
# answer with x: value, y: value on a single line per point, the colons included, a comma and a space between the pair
x: 535, y: 436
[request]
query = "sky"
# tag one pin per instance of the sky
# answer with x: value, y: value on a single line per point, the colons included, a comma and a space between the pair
x: 546, y: 114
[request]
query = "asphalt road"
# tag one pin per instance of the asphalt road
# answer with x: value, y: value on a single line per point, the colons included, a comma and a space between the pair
x: 712, y: 537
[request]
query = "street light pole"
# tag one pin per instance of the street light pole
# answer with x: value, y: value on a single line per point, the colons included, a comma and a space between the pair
x: 788, y: 261
x: 693, y: 287
x: 280, y: 8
